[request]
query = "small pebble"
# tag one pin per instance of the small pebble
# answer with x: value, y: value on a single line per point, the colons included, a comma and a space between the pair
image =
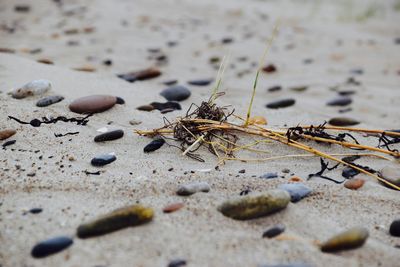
x: 145, y: 108
x: 343, y: 121
x: 298, y: 88
x: 173, y: 207
x: 203, y: 82
x: 35, y: 210
x: 154, y: 145
x: 120, y: 100
x: 49, y: 100
x: 269, y: 175
x: 177, y: 263
x: 269, y: 68
x: 297, y: 191
x: 167, y: 105
x: 354, y: 183
x: 176, y: 93
x: 140, y: 75
x: 109, y: 136
x: 8, y: 143
x: 255, y: 206
x: 349, y: 239
x: 275, y: 88
x: 274, y: 231
x: 349, y: 172
x: 7, y: 133
x: 51, y: 246
x: 102, y: 160
x: 191, y: 188
x: 116, y: 220
x: 36, y: 87
x: 283, y: 103
x: 340, y: 101
x: 135, y: 122
x: 391, y: 173
x: 93, y: 104
x: 394, y: 229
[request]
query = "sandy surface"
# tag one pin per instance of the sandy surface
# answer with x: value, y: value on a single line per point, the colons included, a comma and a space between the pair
x: 338, y: 36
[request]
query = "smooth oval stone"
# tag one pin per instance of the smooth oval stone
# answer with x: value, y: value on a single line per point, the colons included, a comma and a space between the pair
x: 177, y: 263
x: 116, y: 220
x: 36, y: 87
x: 109, y: 136
x: 173, y: 207
x: 275, y: 88
x: 202, y: 82
x: 49, y: 100
x: 103, y: 160
x: 51, y: 246
x: 354, y: 183
x: 394, y: 229
x: 283, y: 103
x: 269, y: 68
x: 349, y: 172
x: 93, y: 104
x: 140, y: 75
x: 391, y: 173
x: 170, y: 105
x: 343, y: 121
x: 340, y: 101
x: 145, y: 108
x: 297, y: 191
x: 349, y: 239
x: 191, y: 188
x: 35, y: 210
x: 4, y: 134
x: 274, y: 231
x: 154, y: 145
x: 255, y: 206
x: 176, y: 93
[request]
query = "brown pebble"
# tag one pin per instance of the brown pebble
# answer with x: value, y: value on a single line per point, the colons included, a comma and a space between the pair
x: 7, y: 50
x: 145, y: 108
x: 342, y: 121
x: 173, y: 207
x: 269, y: 68
x: 354, y: 183
x: 296, y: 179
x: 45, y: 61
x: 93, y: 104
x: 4, y: 134
x: 85, y: 68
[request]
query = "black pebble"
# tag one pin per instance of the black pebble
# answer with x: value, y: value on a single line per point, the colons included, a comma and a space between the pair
x: 283, y: 103
x: 340, y: 101
x: 395, y: 228
x: 107, y: 62
x: 9, y: 143
x: 109, y: 136
x: 167, y: 105
x: 51, y: 246
x: 103, y: 160
x: 349, y: 172
x: 35, y: 122
x: 154, y: 145
x: 275, y: 88
x: 176, y: 93
x: 49, y: 100
x: 343, y: 121
x: 274, y: 231
x: 203, y: 82
x: 177, y: 263
x: 120, y: 100
x: 35, y: 210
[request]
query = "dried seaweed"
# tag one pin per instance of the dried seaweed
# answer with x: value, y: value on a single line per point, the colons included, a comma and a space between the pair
x: 325, y: 167
x: 37, y: 122
x: 70, y: 133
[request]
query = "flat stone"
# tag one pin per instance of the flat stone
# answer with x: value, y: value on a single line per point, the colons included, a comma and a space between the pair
x: 283, y: 103
x: 255, y: 205
x: 102, y: 160
x: 145, y: 108
x: 135, y: 122
x: 201, y: 82
x: 191, y: 188
x: 116, y: 220
x: 140, y: 75
x: 274, y: 231
x: 7, y: 133
x: 34, y: 88
x: 269, y: 175
x: 391, y: 173
x: 176, y: 93
x: 154, y: 145
x: 343, y: 121
x: 49, y: 100
x: 177, y: 263
x: 394, y: 229
x: 93, y: 104
x: 51, y: 246
x: 35, y: 210
x: 350, y: 239
x: 340, y: 101
x: 109, y: 136
x: 297, y: 191
x: 167, y: 105
x: 349, y: 172
x: 354, y: 183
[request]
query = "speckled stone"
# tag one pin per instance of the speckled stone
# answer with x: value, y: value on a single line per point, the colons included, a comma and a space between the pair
x: 34, y: 88
x: 49, y: 100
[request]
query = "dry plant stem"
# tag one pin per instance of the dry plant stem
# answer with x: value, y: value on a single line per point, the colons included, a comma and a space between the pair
x: 356, y: 130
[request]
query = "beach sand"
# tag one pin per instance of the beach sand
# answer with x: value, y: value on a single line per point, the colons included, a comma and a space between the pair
x: 320, y: 45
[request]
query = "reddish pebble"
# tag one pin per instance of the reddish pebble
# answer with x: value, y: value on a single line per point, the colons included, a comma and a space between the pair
x: 92, y: 104
x: 172, y: 207
x: 4, y: 134
x: 354, y: 183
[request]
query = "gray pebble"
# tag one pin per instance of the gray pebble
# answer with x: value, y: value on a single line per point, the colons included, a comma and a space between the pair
x: 191, y: 188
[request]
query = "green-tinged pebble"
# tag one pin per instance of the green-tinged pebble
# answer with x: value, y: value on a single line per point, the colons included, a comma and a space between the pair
x: 350, y: 239
x: 116, y: 220
x: 255, y: 206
